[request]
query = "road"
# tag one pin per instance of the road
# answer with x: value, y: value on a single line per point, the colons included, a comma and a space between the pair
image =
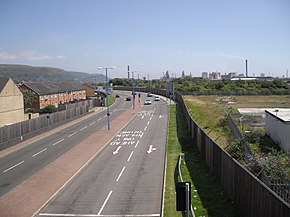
x: 21, y: 164
x: 126, y: 178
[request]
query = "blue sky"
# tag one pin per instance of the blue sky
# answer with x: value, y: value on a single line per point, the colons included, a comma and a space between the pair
x: 152, y: 36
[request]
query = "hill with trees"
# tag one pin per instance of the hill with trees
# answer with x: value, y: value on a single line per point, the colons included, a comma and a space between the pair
x: 20, y: 73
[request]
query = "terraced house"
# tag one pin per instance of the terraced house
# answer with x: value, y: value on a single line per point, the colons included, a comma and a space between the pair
x: 54, y: 93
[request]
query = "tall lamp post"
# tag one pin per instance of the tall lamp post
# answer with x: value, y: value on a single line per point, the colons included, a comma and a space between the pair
x: 133, y: 90
x: 107, y: 92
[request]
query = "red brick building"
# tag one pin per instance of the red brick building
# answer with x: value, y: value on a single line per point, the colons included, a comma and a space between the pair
x: 54, y: 93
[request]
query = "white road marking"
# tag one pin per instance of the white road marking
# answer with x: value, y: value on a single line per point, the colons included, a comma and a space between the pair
x: 83, y: 128
x: 57, y: 142
x: 10, y: 168
x: 130, y: 156
x: 137, y: 143
x: 39, y: 152
x: 117, y: 150
x: 150, y: 118
x: 99, y: 119
x: 141, y: 135
x: 120, y: 174
x: 151, y: 149
x: 145, y: 128
x: 96, y: 215
x: 148, y: 122
x: 160, y: 116
x: 105, y: 116
x: 142, y: 117
x: 71, y: 134
x: 105, y: 202
x: 92, y: 123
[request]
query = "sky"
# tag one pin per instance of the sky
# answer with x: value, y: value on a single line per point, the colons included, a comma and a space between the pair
x: 152, y: 36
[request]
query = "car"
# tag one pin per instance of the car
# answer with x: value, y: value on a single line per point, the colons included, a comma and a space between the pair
x: 149, y: 94
x: 117, y: 95
x: 147, y: 102
x: 157, y: 98
x: 128, y: 98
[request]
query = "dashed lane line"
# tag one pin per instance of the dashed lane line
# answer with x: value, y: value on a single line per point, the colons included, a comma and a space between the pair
x: 57, y: 142
x: 137, y: 143
x: 119, y: 176
x: 105, y: 202
x: 92, y: 123
x: 38, y: 153
x: 71, y: 134
x: 130, y: 156
x: 83, y: 128
x: 10, y: 168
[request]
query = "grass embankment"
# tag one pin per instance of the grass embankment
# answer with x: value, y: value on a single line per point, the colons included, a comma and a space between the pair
x: 112, y: 99
x: 208, y: 197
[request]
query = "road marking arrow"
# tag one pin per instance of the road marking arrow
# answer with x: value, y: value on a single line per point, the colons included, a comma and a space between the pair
x: 151, y: 149
x: 116, y: 152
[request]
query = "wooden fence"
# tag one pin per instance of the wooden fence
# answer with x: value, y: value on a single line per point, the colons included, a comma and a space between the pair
x: 18, y: 132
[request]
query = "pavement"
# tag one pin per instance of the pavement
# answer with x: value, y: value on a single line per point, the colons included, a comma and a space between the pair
x: 30, y: 196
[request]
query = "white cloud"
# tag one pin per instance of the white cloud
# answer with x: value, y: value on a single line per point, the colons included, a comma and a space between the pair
x: 29, y: 55
x: 33, y: 55
x: 6, y: 55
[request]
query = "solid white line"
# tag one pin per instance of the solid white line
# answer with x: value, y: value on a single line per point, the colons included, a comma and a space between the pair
x: 148, y: 122
x: 10, y: 168
x: 104, y: 204
x: 96, y: 215
x: 120, y: 174
x: 71, y: 134
x: 145, y: 128
x: 39, y: 152
x: 137, y: 143
x: 57, y: 142
x: 92, y: 123
x: 83, y: 128
x: 130, y: 156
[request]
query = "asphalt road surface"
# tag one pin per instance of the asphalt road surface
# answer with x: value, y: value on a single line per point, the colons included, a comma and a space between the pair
x: 126, y: 178
x: 21, y: 164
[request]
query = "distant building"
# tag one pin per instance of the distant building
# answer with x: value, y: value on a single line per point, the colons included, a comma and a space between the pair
x: 278, y: 127
x: 215, y: 76
x: 11, y: 102
x: 165, y: 77
x: 54, y: 93
x: 262, y: 75
x: 204, y: 75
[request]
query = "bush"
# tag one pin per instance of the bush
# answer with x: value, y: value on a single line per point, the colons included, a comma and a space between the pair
x: 50, y: 109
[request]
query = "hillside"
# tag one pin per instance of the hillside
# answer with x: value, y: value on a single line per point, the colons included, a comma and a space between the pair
x: 20, y: 73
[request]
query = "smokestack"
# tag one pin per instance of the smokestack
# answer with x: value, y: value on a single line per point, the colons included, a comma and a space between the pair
x: 128, y: 72
x: 246, y: 68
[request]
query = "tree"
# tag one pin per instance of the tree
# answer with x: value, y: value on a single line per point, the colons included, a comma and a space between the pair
x: 28, y: 99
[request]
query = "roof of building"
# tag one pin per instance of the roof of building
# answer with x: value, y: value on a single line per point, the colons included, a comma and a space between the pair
x: 3, y: 82
x: 44, y: 88
x: 282, y: 114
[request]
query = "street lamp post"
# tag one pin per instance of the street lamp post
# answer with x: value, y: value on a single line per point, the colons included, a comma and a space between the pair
x: 133, y: 90
x: 107, y: 92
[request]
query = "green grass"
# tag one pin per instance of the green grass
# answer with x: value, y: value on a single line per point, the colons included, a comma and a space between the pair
x: 207, y: 195
x: 112, y: 99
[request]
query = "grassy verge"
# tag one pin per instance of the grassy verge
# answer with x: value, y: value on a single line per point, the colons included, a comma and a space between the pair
x: 208, y: 197
x: 112, y: 99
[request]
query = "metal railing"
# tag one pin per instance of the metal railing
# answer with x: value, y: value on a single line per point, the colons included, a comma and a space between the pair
x: 181, y: 179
